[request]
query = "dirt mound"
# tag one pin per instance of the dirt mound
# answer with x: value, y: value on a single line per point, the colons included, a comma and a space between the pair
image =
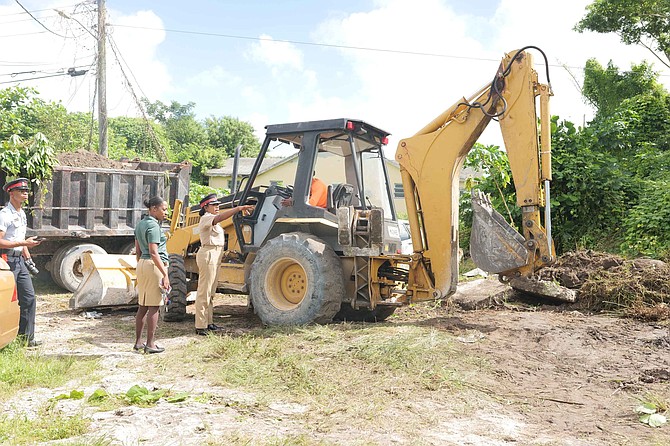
x: 84, y: 158
x: 637, y: 288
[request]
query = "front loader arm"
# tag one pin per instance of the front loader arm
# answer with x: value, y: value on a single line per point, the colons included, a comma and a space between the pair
x: 430, y: 165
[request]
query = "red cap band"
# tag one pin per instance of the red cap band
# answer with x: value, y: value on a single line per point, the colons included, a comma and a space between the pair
x: 205, y: 203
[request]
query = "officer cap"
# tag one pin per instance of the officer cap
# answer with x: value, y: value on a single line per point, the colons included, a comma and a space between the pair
x: 209, y: 199
x: 17, y: 184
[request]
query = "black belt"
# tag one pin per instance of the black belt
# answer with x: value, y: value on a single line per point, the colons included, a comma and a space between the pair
x: 11, y: 252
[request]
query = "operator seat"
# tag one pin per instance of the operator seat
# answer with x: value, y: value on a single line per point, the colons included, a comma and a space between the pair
x: 339, y: 195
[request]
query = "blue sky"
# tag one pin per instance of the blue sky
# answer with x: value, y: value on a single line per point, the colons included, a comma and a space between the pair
x: 421, y: 56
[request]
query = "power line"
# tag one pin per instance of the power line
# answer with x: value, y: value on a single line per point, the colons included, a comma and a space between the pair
x: 298, y: 42
x: 34, y: 78
x: 328, y: 45
x: 24, y: 34
x: 41, y: 24
x: 60, y: 70
x: 160, y: 150
x: 35, y: 10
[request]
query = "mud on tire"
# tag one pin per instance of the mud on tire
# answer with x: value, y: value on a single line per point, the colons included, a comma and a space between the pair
x: 296, y: 279
x: 176, y: 309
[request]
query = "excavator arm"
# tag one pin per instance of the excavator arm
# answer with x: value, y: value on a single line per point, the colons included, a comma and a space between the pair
x: 430, y: 165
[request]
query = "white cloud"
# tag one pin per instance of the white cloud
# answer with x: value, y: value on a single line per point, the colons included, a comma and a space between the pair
x: 46, y: 53
x: 402, y: 92
x: 277, y: 55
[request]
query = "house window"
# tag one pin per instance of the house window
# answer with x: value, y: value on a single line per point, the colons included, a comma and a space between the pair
x: 398, y: 191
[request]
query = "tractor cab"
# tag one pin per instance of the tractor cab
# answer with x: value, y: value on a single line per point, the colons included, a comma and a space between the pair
x: 338, y: 169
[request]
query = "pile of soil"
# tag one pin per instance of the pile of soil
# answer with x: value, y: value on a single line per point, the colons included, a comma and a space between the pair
x: 84, y: 158
x: 638, y: 288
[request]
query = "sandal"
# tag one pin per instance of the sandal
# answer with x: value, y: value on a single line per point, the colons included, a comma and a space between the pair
x: 138, y: 348
x: 156, y: 349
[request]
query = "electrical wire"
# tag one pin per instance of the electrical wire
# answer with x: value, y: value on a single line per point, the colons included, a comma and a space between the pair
x: 35, y: 78
x: 41, y: 24
x: 160, y: 150
x: 35, y: 10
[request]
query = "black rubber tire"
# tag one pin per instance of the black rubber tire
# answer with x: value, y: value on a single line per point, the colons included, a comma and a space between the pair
x: 176, y: 309
x: 66, y: 264
x: 379, y: 314
x: 296, y: 279
x: 128, y: 249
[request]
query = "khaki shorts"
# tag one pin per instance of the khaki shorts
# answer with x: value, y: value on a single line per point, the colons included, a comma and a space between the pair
x: 148, y: 284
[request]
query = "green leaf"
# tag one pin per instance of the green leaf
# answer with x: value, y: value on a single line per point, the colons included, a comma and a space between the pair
x: 646, y: 408
x: 136, y: 392
x: 657, y: 420
x: 98, y: 395
x: 76, y: 394
x: 645, y: 418
x: 177, y: 398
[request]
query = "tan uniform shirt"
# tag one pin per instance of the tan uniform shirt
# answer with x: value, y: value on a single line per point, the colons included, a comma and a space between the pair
x: 210, y: 234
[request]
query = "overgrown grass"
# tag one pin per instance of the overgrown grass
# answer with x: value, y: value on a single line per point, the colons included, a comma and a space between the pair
x: 21, y: 368
x: 361, y: 371
x: 292, y: 440
x: 23, y: 430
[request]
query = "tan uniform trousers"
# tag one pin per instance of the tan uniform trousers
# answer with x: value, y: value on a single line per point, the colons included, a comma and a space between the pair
x: 208, y: 259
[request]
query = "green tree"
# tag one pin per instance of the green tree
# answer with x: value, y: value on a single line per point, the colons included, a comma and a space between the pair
x: 643, y: 22
x: 606, y: 88
x: 226, y: 133
x: 136, y: 138
x: 186, y: 137
x: 24, y: 150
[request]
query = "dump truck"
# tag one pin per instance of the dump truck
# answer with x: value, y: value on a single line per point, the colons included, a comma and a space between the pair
x: 304, y: 264
x: 95, y: 210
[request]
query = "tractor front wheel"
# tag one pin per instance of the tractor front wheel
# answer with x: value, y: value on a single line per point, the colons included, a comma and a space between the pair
x: 296, y: 279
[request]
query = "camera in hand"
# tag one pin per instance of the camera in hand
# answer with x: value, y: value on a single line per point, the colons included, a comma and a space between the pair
x: 32, y: 268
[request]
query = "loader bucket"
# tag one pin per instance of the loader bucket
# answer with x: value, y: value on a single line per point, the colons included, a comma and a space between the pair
x: 109, y: 280
x: 495, y: 246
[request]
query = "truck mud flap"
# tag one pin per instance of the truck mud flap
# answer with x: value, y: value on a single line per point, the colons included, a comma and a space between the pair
x: 495, y: 246
x: 109, y: 280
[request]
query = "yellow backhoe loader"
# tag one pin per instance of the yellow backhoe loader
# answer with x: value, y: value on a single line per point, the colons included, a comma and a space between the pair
x: 302, y: 264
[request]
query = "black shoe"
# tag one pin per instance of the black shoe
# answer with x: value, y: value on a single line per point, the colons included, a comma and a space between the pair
x: 202, y: 331
x: 214, y: 327
x: 156, y: 349
x: 34, y: 343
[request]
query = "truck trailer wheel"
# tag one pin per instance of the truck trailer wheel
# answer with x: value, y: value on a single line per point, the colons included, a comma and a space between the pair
x: 379, y: 314
x: 176, y: 310
x: 66, y: 264
x: 296, y: 279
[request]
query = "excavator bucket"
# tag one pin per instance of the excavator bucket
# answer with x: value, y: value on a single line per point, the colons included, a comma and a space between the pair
x: 109, y: 280
x: 495, y: 246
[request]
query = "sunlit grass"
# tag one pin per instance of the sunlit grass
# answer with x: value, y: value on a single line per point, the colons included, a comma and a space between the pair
x: 22, y: 430
x: 21, y: 368
x: 358, y: 371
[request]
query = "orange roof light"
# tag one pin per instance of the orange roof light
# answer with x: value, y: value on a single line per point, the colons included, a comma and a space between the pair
x: 350, y: 125
x: 385, y: 140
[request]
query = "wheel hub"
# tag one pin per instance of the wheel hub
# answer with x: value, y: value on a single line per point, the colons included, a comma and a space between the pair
x: 286, y: 284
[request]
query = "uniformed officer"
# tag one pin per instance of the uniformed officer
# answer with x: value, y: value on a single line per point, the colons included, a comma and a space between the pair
x: 208, y: 258
x: 14, y: 248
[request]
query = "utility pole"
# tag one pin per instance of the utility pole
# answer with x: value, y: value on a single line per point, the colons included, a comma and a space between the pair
x: 102, y: 81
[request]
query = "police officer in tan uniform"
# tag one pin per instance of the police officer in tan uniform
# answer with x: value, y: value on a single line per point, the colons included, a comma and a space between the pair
x: 208, y: 258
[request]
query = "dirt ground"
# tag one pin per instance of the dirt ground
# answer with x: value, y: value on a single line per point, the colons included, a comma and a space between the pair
x: 85, y: 158
x: 556, y: 377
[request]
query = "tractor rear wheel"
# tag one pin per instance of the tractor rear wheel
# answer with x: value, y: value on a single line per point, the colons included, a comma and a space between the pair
x: 296, y: 279
x: 176, y: 309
